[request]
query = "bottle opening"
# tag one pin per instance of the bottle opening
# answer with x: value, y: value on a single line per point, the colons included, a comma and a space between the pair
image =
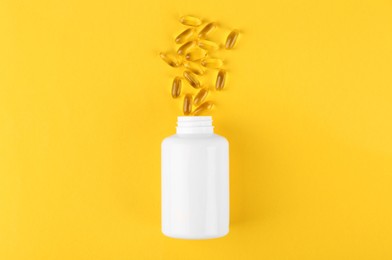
x: 194, y: 125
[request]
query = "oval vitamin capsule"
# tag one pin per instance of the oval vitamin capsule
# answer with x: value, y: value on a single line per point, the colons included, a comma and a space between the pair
x: 206, y: 106
x: 170, y: 59
x: 220, y: 80
x: 195, y: 54
x: 208, y: 45
x: 192, y: 79
x: 187, y: 106
x: 212, y: 63
x: 176, y: 87
x: 185, y: 36
x: 207, y: 29
x: 184, y: 48
x: 194, y: 67
x: 200, y: 96
x: 232, y: 39
x: 190, y: 21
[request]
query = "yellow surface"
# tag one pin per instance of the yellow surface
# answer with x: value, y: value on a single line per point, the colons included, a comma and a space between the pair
x: 85, y: 102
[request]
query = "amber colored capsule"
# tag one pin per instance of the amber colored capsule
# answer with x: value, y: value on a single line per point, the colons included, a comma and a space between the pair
x: 195, y: 54
x: 200, y: 96
x: 176, y: 87
x: 170, y: 59
x: 192, y: 79
x: 185, y: 47
x: 220, y: 80
x: 206, y: 106
x: 207, y: 29
x: 208, y: 45
x: 194, y: 67
x: 185, y: 36
x: 190, y: 20
x: 187, y: 106
x: 212, y: 63
x: 232, y: 39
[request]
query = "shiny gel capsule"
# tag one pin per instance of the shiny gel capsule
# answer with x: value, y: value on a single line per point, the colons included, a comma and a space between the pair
x: 203, y: 108
x: 192, y: 79
x: 212, y: 63
x: 190, y: 21
x: 185, y: 36
x: 170, y: 59
x: 200, y: 96
x: 176, y: 87
x: 187, y: 106
x: 232, y: 39
x: 207, y: 29
x: 220, y: 80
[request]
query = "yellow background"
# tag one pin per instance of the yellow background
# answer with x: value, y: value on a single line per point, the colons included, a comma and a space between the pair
x: 85, y: 102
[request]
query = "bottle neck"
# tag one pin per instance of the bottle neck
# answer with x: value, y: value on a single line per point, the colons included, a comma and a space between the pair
x: 194, y: 125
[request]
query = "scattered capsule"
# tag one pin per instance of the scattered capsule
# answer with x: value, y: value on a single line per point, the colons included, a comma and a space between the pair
x: 208, y: 45
x: 207, y: 29
x: 195, y: 54
x: 194, y: 67
x: 187, y: 107
x: 170, y: 59
x: 192, y: 79
x: 200, y: 96
x: 185, y: 36
x: 190, y: 20
x: 206, y: 106
x: 212, y: 63
x: 232, y: 39
x: 176, y: 87
x: 220, y: 80
x: 185, y: 47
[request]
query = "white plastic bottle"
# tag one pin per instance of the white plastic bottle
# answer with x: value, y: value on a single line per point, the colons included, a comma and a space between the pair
x: 195, y: 181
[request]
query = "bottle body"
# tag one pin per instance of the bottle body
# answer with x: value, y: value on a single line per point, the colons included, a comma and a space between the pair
x: 195, y: 183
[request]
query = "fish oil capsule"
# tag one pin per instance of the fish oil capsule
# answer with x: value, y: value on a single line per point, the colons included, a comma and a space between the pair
x: 185, y: 36
x: 232, y: 39
x: 206, y: 106
x: 195, y: 54
x: 208, y: 45
x: 190, y: 21
x: 200, y: 96
x: 192, y: 79
x: 176, y: 87
x: 212, y: 63
x: 207, y: 29
x: 220, y: 80
x: 184, y: 48
x: 170, y: 59
x: 194, y: 67
x: 187, y: 106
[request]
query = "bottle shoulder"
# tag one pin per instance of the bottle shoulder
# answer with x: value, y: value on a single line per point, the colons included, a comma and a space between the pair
x: 195, y: 139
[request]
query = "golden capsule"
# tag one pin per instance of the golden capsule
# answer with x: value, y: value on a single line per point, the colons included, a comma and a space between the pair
x: 195, y: 54
x: 220, y: 80
x: 192, y: 79
x: 170, y: 59
x: 194, y: 67
x: 207, y: 29
x: 184, y: 48
x: 232, y: 39
x: 190, y: 20
x: 212, y: 63
x: 200, y: 96
x: 206, y: 106
x: 187, y: 106
x: 208, y: 45
x: 176, y: 87
x: 185, y: 36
